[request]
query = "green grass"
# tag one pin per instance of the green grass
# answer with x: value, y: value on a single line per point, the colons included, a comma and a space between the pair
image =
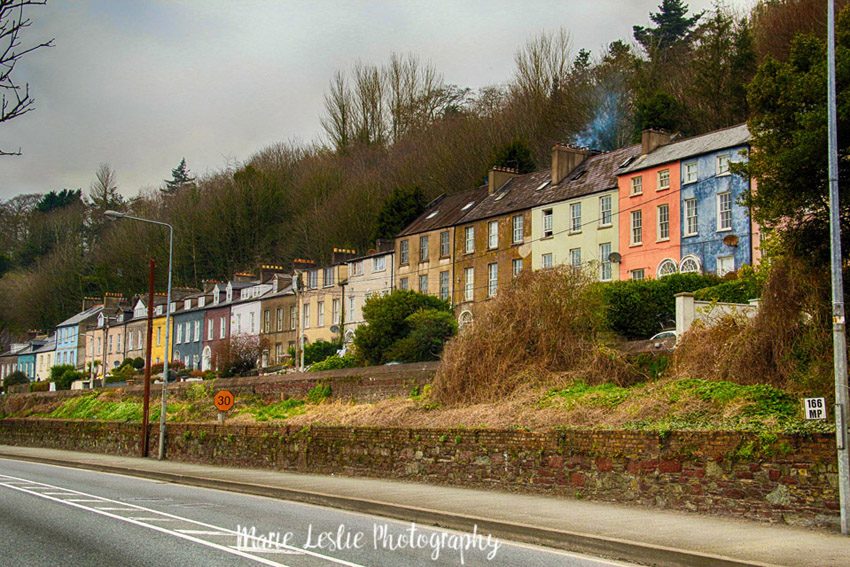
x: 580, y: 393
x: 279, y: 410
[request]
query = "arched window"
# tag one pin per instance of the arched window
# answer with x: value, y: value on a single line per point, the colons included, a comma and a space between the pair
x: 667, y: 267
x: 465, y: 319
x: 690, y: 265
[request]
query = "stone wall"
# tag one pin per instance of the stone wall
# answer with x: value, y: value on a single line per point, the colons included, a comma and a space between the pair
x: 786, y: 479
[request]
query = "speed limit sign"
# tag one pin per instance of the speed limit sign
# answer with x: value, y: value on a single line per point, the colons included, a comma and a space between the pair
x: 223, y: 400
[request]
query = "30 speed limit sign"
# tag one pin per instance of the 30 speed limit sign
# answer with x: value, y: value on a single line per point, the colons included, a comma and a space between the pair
x: 223, y: 400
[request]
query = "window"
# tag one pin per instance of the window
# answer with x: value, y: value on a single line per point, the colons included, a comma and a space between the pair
x: 468, y: 283
x: 547, y: 223
x: 663, y: 228
x: 723, y: 164
x: 547, y: 260
x: 293, y: 317
x: 444, y: 286
x: 575, y: 257
x: 575, y: 217
x: 663, y: 179
x: 667, y: 267
x: 637, y: 227
x: 320, y: 314
x: 637, y: 274
x: 328, y: 277
x: 605, y: 261
x: 724, y: 211
x: 197, y: 331
x: 469, y: 240
x: 517, y: 223
x: 404, y: 252
x: 222, y: 328
x: 444, y: 244
x: 238, y: 323
x: 278, y: 352
x: 351, y: 307
x: 335, y: 312
x: 279, y: 319
x: 130, y: 342
x: 605, y: 210
x: 690, y: 172
x: 493, y: 234
x: 358, y: 268
x: 690, y: 265
x: 109, y: 346
x: 379, y: 263
x: 637, y: 185
x: 313, y: 279
x: 492, y: 279
x: 267, y: 320
x: 158, y: 336
x: 423, y: 248
x: 725, y: 264
x: 516, y: 266
x: 691, y: 227
x: 305, y: 317
x: 423, y: 283
x: 403, y: 284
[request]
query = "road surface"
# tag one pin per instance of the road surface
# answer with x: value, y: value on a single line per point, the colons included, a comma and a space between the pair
x: 51, y: 515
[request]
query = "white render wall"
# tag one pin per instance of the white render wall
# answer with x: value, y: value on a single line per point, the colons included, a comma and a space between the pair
x: 370, y: 281
x: 689, y: 310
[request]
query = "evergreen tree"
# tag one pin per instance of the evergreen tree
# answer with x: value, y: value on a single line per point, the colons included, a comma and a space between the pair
x: 59, y: 200
x: 180, y: 177
x: 516, y: 155
x: 672, y: 27
x: 400, y: 209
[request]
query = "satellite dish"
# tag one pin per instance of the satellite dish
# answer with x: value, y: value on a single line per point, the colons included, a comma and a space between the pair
x: 334, y: 328
x: 614, y: 257
x: 730, y: 240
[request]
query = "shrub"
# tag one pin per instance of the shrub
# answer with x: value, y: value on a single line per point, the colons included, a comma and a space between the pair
x: 429, y: 331
x: 138, y: 363
x: 335, y: 362
x: 127, y: 362
x: 319, y: 393
x: 240, y: 354
x: 387, y: 322
x: 68, y: 376
x: 15, y: 378
x: 320, y: 350
x: 57, y: 371
x: 39, y: 386
x: 746, y: 286
x: 546, y: 321
x: 637, y: 309
x: 121, y: 374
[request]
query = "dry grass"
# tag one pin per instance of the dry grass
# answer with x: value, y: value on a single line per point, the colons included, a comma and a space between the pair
x: 547, y: 321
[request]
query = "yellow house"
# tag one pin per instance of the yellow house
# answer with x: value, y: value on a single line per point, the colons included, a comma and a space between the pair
x: 158, y: 347
x: 321, y: 301
x: 577, y: 220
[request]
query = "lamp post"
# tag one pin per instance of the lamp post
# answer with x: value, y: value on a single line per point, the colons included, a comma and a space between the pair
x: 119, y: 215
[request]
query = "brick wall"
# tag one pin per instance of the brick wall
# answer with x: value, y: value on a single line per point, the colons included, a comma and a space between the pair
x: 789, y: 478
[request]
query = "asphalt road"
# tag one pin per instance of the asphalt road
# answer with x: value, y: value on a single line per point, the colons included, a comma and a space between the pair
x: 51, y: 515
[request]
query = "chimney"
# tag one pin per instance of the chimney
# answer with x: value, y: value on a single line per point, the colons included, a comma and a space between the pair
x: 498, y: 176
x: 565, y: 158
x: 384, y: 245
x: 651, y: 139
x: 342, y: 254
x: 303, y: 264
x: 112, y: 300
x: 269, y: 271
x: 208, y: 285
x: 244, y: 277
x: 89, y: 302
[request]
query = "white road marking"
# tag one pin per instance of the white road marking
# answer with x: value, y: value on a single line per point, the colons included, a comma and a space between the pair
x: 147, y: 518
x: 107, y: 508
x: 82, y: 499
x: 204, y: 532
x: 171, y: 517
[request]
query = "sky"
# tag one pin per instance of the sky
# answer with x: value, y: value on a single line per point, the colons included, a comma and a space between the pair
x: 140, y: 84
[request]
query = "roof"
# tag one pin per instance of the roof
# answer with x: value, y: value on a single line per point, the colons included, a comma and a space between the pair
x: 446, y: 210
x: 32, y: 347
x: 738, y: 135
x: 48, y: 346
x: 81, y: 316
x: 370, y: 255
x: 288, y: 290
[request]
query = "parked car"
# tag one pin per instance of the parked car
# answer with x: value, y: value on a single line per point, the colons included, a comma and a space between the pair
x: 665, y: 339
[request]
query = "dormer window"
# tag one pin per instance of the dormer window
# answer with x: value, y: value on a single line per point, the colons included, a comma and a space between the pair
x: 229, y: 293
x: 187, y: 304
x: 173, y: 306
x: 159, y: 309
x: 100, y: 319
x: 202, y: 301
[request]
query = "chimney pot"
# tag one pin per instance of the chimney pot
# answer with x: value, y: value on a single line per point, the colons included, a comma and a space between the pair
x: 565, y: 158
x: 652, y: 139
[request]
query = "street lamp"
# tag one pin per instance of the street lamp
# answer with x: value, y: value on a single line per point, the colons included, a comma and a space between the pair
x: 119, y: 215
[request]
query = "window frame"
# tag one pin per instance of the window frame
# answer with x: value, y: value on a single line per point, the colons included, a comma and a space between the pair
x: 548, y: 220
x: 492, y: 235
x: 660, y: 186
x: 468, y: 239
x: 691, y: 206
x: 468, y: 284
x: 687, y: 177
x: 605, y: 262
x: 721, y: 211
x: 636, y: 215
x: 636, y: 185
x: 492, y: 279
x: 575, y: 219
x: 662, y: 226
x: 517, y: 224
x: 603, y: 212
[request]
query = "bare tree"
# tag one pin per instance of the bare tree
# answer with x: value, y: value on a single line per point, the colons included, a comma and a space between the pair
x: 338, y: 106
x: 103, y: 192
x: 15, y: 100
x: 542, y: 66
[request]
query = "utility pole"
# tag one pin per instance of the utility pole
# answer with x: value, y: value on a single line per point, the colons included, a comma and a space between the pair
x: 839, y: 339
x: 146, y: 408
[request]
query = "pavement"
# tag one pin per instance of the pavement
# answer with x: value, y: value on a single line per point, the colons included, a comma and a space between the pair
x: 630, y: 533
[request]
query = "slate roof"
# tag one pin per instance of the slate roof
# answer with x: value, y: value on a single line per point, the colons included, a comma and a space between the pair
x: 738, y: 135
x: 82, y: 316
x: 449, y: 211
x: 49, y: 345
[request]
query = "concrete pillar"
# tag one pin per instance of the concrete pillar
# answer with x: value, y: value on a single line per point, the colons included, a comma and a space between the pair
x: 685, y: 312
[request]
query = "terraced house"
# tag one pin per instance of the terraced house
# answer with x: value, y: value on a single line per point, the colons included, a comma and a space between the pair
x: 322, y: 296
x: 70, y: 334
x: 280, y: 319
x: 425, y: 250
x: 368, y: 275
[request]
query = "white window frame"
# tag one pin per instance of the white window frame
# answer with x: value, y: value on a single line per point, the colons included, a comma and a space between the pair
x: 691, y: 217
x: 722, y: 164
x: 691, y: 172
x: 638, y: 274
x: 423, y: 278
x: 575, y: 257
x: 548, y: 223
x: 320, y: 313
x: 636, y: 227
x: 516, y: 266
x: 403, y: 253
x: 445, y: 245
x: 335, y: 311
x: 605, y: 211
x: 575, y: 217
x: 379, y: 263
x: 492, y: 279
x: 666, y: 267
x: 469, y: 239
x: 424, y: 253
x: 327, y: 281
x: 693, y: 259
x: 663, y: 180
x: 605, y: 272
x: 636, y: 185
x: 492, y: 235
x: 468, y: 284
x: 444, y: 286
x: 721, y: 197
x: 662, y: 224
x: 305, y: 316
x: 547, y: 261
x: 518, y: 225
x: 720, y: 259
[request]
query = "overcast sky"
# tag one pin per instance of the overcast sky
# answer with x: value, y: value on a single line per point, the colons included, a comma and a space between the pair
x: 141, y: 84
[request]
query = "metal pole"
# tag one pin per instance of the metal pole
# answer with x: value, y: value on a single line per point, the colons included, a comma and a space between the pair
x: 839, y: 340
x: 167, y: 346
x: 147, y: 401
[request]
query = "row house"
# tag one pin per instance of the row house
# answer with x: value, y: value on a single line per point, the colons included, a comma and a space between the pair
x: 9, y: 359
x: 188, y: 329
x: 136, y: 327
x: 321, y: 297
x: 576, y: 221
x: 681, y: 206
x: 368, y: 275
x: 26, y: 358
x: 104, y: 337
x: 424, y: 251
x: 280, y: 321
x: 70, y: 334
x: 216, y: 325
x: 45, y: 359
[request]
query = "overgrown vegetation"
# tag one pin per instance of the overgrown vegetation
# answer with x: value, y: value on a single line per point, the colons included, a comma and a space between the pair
x: 335, y: 362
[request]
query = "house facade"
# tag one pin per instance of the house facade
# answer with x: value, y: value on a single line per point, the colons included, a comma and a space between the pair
x: 321, y: 299
x: 26, y: 358
x: 188, y: 331
x: 70, y: 335
x: 217, y: 326
x: 424, y: 255
x: 280, y: 319
x: 368, y: 275
x: 44, y: 359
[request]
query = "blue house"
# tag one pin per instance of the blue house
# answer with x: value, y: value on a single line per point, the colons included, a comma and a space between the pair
x: 26, y: 358
x: 188, y: 332
x: 70, y: 341
x: 717, y: 231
